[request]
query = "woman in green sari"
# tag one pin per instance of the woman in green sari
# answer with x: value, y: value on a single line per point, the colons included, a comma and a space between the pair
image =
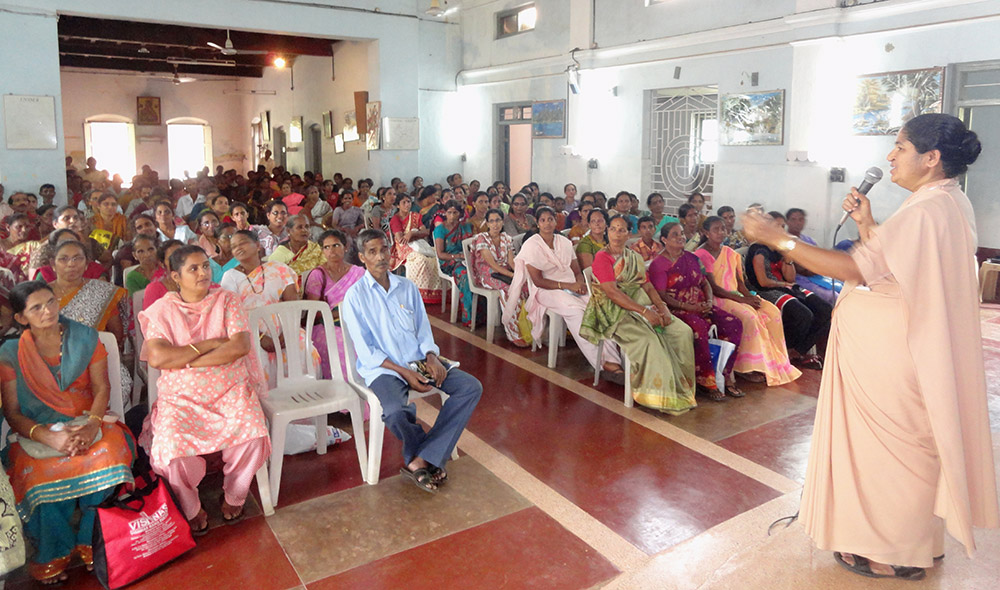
x: 625, y: 307
x: 68, y: 455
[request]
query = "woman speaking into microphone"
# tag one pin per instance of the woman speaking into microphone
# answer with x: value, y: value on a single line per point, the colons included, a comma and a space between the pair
x: 901, y: 446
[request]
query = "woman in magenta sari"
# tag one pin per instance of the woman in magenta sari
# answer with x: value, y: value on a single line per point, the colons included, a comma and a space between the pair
x: 679, y: 277
x: 329, y: 282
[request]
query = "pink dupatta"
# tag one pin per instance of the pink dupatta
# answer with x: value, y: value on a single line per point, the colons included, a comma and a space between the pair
x: 555, y: 264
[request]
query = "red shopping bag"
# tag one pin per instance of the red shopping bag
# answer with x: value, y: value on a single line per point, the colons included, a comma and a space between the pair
x: 137, y: 532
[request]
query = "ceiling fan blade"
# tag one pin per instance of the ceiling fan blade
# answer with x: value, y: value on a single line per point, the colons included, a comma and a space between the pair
x: 215, y: 45
x: 250, y: 52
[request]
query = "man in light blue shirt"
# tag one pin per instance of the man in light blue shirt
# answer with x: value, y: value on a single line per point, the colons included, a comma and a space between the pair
x: 385, y: 317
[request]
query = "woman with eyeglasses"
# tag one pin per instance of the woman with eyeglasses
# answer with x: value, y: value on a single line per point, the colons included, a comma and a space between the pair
x: 329, y: 282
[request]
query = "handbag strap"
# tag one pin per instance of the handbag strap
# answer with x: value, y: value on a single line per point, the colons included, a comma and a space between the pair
x: 713, y: 333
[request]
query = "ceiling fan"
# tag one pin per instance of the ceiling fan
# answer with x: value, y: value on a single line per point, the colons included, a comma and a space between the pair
x: 436, y: 10
x: 228, y: 48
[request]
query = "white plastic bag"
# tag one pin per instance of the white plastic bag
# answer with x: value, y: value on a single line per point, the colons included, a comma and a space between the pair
x: 721, y: 351
x: 300, y: 438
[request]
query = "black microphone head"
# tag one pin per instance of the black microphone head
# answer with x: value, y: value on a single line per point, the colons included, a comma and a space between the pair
x: 873, y: 175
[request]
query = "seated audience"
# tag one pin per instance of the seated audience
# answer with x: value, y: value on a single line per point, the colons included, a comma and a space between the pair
x: 569, y: 196
x: 329, y: 282
x: 240, y: 215
x: 168, y: 228
x: 259, y: 283
x: 19, y: 246
x: 208, y: 236
x: 66, y: 217
x: 762, y: 348
x: 734, y: 238
x: 46, y: 214
x: 688, y: 215
x: 556, y: 283
x: 110, y: 228
x: 276, y: 230
x: 410, y: 246
x: 348, y: 218
x: 519, y: 220
x: 56, y: 373
x: 579, y: 219
x: 430, y: 197
x: 396, y: 353
x: 220, y: 206
x: 92, y: 269
x: 493, y: 264
x: 144, y: 249
x: 298, y: 252
x: 824, y: 287
x: 380, y: 214
x: 477, y: 212
x: 161, y: 282
x: 804, y: 315
x: 697, y: 200
x: 626, y: 309
x: 92, y: 302
x: 647, y: 246
x: 141, y: 225
x: 621, y: 205
x: 448, y: 244
x: 596, y: 240
x: 679, y: 277
x: 207, y: 393
x: 656, y: 205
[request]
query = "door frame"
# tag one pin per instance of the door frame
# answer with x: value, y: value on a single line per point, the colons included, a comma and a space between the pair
x: 501, y: 148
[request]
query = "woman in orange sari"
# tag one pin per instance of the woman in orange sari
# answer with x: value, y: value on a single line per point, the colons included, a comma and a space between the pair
x: 55, y: 395
x: 901, y: 447
x: 410, y: 247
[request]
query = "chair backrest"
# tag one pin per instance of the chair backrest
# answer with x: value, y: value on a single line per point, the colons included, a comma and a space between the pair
x: 115, y: 401
x: 137, y: 299
x: 152, y: 375
x: 632, y: 240
x: 516, y: 242
x: 588, y: 277
x: 350, y: 356
x: 293, y: 362
x: 743, y: 251
x: 437, y: 265
x: 126, y: 271
x: 467, y: 254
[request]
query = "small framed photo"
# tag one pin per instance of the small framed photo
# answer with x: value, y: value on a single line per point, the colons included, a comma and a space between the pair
x: 338, y: 143
x: 147, y: 110
x: 328, y: 124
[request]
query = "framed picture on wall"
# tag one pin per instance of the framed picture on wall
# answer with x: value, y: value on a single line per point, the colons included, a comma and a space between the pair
x: 338, y: 143
x: 351, y: 126
x: 147, y: 110
x: 328, y: 124
x: 373, y: 118
x: 265, y: 126
x: 884, y: 102
x: 548, y: 119
x: 753, y: 118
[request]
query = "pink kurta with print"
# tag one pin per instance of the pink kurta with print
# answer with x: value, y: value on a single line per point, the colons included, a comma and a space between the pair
x: 202, y: 410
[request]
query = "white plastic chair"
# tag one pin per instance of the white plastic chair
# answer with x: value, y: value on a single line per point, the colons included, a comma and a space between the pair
x: 139, y: 368
x: 448, y: 280
x: 126, y: 271
x: 115, y: 401
x: 300, y: 392
x: 517, y: 241
x: 588, y: 276
x: 376, y: 427
x: 492, y: 295
x: 557, y: 333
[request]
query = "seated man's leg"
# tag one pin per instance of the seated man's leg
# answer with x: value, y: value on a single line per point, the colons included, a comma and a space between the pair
x: 241, y: 463
x: 399, y: 416
x: 464, y: 392
x: 184, y: 474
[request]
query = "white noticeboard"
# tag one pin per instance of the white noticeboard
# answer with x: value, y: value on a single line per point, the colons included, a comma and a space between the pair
x: 400, y: 133
x: 30, y: 122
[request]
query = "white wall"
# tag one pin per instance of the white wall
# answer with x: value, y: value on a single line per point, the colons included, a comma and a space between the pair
x: 28, y: 169
x: 813, y: 54
x: 88, y: 94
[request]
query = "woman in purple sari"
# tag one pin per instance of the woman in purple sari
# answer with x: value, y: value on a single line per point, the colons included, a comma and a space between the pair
x: 329, y: 282
x: 679, y: 277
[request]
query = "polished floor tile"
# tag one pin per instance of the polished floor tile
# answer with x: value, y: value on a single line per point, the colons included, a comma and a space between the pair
x: 243, y: 555
x: 650, y: 490
x: 341, y: 531
x: 781, y: 445
x: 526, y: 549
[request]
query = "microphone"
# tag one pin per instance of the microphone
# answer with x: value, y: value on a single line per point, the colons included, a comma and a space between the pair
x: 872, y: 176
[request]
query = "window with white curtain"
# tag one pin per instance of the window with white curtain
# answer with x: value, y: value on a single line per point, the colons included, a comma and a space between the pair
x: 189, y: 149
x: 112, y: 144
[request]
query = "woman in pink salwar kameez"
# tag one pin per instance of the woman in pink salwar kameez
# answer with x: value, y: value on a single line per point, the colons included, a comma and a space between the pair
x: 207, y: 391
x: 901, y: 447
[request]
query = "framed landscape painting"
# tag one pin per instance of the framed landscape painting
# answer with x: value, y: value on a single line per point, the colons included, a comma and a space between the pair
x: 548, y: 119
x: 753, y: 118
x: 885, y: 102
